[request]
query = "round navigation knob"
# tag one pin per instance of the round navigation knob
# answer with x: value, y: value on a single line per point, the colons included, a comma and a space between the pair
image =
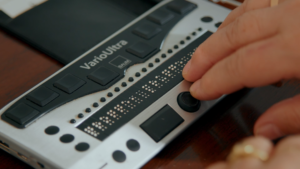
x: 187, y: 102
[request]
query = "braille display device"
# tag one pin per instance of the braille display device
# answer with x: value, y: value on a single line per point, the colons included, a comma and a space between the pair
x: 122, y: 101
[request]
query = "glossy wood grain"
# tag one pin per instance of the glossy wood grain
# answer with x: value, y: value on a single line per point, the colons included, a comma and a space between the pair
x: 206, y: 141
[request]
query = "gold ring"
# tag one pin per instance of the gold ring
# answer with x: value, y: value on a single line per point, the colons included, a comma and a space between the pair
x: 274, y: 3
x: 245, y: 150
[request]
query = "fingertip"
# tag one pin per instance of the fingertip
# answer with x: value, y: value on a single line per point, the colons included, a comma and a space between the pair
x: 185, y: 71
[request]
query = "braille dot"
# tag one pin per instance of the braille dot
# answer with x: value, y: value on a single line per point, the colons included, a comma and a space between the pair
x: 88, y: 110
x: 206, y: 19
x: 150, y: 64
x: 95, y: 104
x: 137, y: 74
x: 176, y: 47
x: 109, y: 94
x: 144, y: 70
x: 67, y: 138
x: 102, y: 99
x: 117, y: 89
x: 182, y: 42
x: 82, y: 146
x: 124, y: 84
x: 51, y: 130
x: 157, y: 60
x: 194, y: 33
x: 130, y: 79
x: 163, y: 55
x: 199, y: 29
x: 72, y: 121
x: 218, y: 24
x: 80, y: 115
x: 170, y: 51
x: 188, y: 38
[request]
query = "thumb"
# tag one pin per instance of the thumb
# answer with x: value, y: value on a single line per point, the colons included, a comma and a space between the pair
x: 281, y: 119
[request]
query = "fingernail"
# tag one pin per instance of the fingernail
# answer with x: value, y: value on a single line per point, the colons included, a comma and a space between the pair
x: 194, y: 90
x: 186, y: 68
x: 270, y: 131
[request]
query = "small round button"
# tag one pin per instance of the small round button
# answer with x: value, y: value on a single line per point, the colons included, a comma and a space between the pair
x: 199, y: 29
x: 80, y: 115
x: 157, y: 60
x: 117, y: 89
x: 170, y: 51
x: 72, y: 121
x: 88, y: 110
x: 175, y: 46
x: 119, y: 156
x: 163, y: 55
x: 150, y: 64
x: 182, y: 42
x: 187, y: 102
x: 130, y: 79
x: 124, y: 84
x: 51, y: 130
x: 102, y: 99
x: 206, y: 19
x: 188, y: 38
x: 218, y: 24
x: 109, y: 94
x: 137, y: 74
x: 82, y: 146
x: 194, y: 33
x: 95, y: 104
x: 67, y: 138
x: 144, y: 70
x: 133, y: 145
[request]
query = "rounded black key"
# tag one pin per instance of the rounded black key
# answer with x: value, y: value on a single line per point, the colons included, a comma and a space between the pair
x: 82, y: 146
x: 137, y: 74
x: 199, y: 29
x: 95, y: 104
x: 206, y: 19
x: 194, y: 33
x: 188, y: 38
x: 163, y: 55
x: 80, y: 115
x: 88, y: 110
x: 144, y: 70
x: 51, y: 130
x: 187, y: 102
x: 119, y: 156
x: 109, y: 94
x: 157, y: 60
x: 150, y: 64
x: 182, y: 42
x: 102, y: 99
x: 130, y: 79
x: 67, y: 138
x: 72, y: 121
x: 170, y: 51
x: 218, y: 24
x: 133, y: 145
x: 176, y: 47
x: 117, y: 89
x: 124, y: 84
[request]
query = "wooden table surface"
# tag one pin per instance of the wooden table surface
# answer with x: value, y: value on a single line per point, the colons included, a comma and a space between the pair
x: 206, y: 141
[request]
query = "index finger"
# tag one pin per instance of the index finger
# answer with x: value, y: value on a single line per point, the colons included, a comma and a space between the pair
x: 248, y: 28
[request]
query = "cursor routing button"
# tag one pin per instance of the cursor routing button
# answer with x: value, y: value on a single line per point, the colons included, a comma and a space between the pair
x: 187, y: 102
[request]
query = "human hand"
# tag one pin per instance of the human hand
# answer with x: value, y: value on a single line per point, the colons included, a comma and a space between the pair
x: 285, y: 155
x: 255, y: 46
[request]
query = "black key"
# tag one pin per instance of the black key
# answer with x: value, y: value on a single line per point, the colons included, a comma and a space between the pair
x: 162, y: 123
x: 181, y: 7
x: 160, y: 17
x: 103, y: 76
x: 42, y: 96
x: 141, y: 49
x: 147, y: 31
x: 22, y: 114
x: 69, y: 83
